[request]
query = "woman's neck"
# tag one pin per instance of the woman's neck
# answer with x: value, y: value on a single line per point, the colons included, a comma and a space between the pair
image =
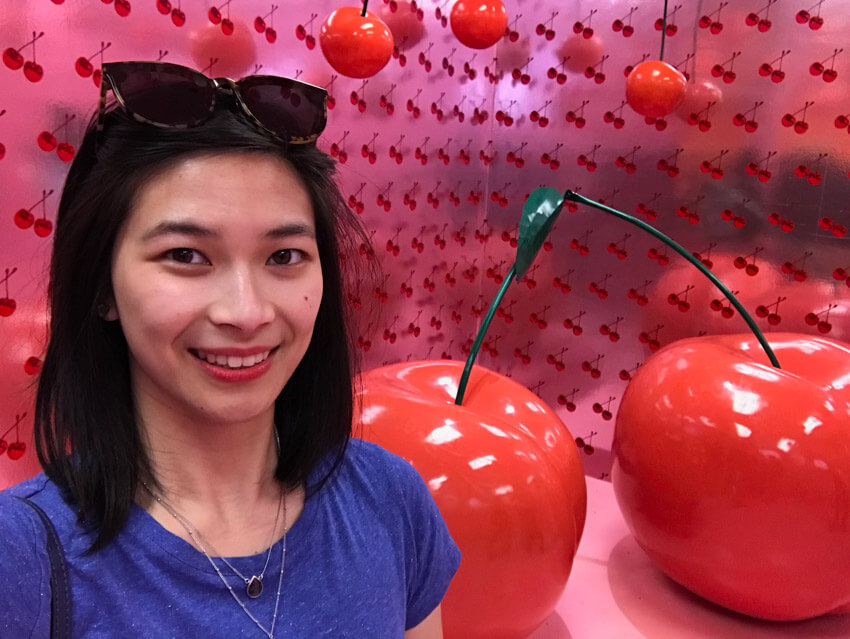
x: 220, y: 465
x: 221, y: 479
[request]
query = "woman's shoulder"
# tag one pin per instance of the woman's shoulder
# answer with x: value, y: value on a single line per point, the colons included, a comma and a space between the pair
x: 366, y: 452
x: 26, y: 488
x: 41, y: 491
x: 24, y: 569
x: 20, y: 527
x: 20, y: 524
x: 13, y: 512
x: 401, y: 495
x: 19, y: 521
x: 371, y: 460
x: 370, y: 474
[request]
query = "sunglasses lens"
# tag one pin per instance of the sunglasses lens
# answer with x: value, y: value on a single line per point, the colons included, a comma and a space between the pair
x: 162, y: 93
x: 173, y: 95
x: 289, y: 108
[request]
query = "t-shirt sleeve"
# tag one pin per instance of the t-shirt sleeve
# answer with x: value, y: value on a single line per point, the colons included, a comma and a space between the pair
x: 24, y: 572
x: 433, y: 557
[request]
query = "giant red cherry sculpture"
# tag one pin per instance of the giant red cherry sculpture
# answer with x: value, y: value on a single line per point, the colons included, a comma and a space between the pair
x: 503, y: 469
x: 734, y: 476
x: 732, y: 472
x: 507, y: 478
x: 356, y: 42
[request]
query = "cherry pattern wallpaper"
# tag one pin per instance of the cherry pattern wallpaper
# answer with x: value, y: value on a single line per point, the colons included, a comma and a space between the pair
x: 438, y: 151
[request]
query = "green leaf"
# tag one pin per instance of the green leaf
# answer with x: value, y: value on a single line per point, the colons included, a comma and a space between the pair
x: 539, y: 213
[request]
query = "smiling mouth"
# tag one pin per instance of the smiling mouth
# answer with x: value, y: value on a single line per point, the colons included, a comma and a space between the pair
x: 231, y: 361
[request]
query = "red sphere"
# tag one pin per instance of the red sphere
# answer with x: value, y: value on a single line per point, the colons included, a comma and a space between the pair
x: 726, y: 470
x: 478, y: 24
x: 356, y: 46
x: 503, y: 461
x: 654, y: 88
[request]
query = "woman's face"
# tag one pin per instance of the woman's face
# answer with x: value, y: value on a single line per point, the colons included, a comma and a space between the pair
x: 217, y: 283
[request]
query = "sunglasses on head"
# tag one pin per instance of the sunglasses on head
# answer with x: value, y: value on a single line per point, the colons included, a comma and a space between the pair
x: 173, y: 96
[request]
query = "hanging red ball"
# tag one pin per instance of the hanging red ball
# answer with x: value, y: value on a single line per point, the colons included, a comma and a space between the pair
x: 478, y: 24
x: 654, y: 88
x: 355, y: 45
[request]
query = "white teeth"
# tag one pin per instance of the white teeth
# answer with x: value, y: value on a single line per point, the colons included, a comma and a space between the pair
x: 232, y: 361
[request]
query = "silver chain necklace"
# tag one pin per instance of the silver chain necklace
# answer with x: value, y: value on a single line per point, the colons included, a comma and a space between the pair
x: 196, y: 537
x: 254, y: 585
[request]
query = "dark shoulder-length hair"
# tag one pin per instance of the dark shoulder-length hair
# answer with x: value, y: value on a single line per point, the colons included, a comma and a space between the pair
x: 84, y: 404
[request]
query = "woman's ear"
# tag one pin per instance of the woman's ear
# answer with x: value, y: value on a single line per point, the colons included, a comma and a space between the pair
x: 107, y: 311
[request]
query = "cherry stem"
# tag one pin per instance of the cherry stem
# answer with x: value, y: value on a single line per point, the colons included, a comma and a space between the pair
x: 365, y: 4
x: 663, y: 30
x: 575, y: 197
x: 479, y: 339
x: 6, y: 279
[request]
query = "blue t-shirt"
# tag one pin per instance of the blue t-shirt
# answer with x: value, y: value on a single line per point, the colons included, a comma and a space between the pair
x: 370, y: 556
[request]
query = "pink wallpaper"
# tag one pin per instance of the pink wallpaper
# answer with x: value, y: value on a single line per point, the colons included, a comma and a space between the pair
x: 438, y: 150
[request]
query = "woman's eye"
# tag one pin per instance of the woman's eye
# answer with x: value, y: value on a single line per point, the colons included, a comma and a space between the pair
x: 287, y: 257
x: 186, y: 256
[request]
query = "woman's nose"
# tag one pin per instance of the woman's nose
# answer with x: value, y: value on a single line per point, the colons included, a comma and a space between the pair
x: 241, y: 301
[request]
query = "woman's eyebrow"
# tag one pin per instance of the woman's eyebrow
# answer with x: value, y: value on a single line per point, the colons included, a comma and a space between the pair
x: 178, y: 227
x: 190, y: 228
x: 294, y: 228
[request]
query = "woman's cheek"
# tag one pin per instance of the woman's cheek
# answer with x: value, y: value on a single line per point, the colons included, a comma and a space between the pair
x: 163, y: 304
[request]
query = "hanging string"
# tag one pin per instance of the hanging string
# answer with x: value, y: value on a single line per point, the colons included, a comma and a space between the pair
x: 663, y: 30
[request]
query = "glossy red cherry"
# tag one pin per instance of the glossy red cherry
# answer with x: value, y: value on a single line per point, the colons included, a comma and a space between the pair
x: 24, y: 219
x: 479, y: 24
x: 757, y: 568
x: 654, y: 88
x: 356, y: 46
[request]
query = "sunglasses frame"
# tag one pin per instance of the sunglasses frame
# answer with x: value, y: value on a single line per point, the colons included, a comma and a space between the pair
x: 226, y: 85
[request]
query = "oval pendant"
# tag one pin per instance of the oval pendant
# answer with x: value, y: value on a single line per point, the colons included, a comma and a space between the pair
x: 255, y: 587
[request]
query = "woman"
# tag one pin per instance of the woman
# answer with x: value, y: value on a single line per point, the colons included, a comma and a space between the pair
x: 199, y: 373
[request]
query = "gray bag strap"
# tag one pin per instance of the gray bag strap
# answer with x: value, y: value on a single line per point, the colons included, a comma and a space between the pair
x: 60, y: 601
